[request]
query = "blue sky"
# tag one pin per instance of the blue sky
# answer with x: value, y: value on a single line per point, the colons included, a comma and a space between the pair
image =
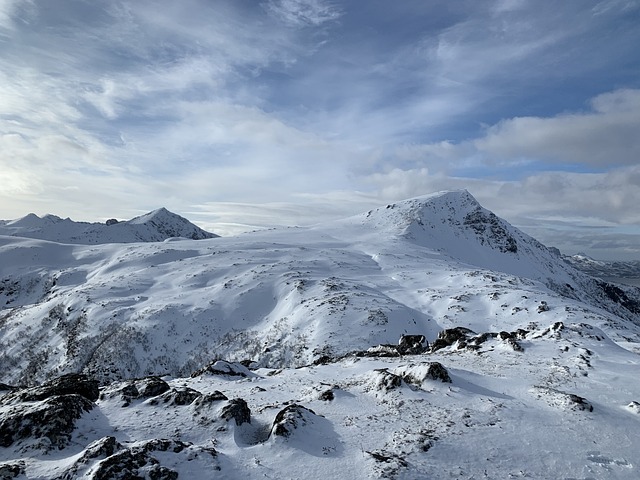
x: 240, y: 114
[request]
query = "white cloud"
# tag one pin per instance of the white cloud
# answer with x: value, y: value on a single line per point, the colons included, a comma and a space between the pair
x: 607, y: 135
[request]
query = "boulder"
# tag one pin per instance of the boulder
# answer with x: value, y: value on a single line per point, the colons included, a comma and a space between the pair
x: 412, y: 344
x: 450, y: 336
x: 384, y: 380
x: 417, y: 374
x: 291, y: 418
x: 238, y: 410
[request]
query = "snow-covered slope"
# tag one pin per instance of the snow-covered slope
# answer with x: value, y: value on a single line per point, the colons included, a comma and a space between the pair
x: 154, y: 226
x: 543, y: 360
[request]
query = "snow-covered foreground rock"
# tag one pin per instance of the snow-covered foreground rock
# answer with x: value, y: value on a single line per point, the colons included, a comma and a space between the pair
x: 527, y: 369
x: 561, y: 408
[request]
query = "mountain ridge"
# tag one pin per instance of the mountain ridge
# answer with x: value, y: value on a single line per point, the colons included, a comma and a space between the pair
x: 282, y: 297
x: 154, y: 226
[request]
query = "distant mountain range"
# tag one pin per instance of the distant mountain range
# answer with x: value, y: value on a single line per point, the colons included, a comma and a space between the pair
x: 603, y: 268
x: 154, y: 226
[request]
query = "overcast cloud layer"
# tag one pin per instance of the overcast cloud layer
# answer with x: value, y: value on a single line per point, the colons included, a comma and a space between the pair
x: 241, y: 114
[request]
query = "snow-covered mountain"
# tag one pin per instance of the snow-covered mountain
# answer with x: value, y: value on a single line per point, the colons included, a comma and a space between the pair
x: 605, y: 269
x: 276, y: 354
x: 154, y: 226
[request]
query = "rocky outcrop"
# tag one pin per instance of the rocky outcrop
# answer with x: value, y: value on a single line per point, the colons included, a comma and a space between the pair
x: 52, y: 419
x: 450, y: 336
x: 128, y: 463
x: 291, y: 418
x: 9, y: 470
x: 412, y: 344
x: 384, y: 380
x: 416, y: 374
x: 71, y: 383
x: 222, y: 367
x: 238, y: 410
x: 46, y: 413
x: 177, y: 397
x: 141, y: 388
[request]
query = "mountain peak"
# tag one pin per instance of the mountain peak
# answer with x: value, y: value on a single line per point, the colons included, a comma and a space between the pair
x: 154, y: 226
x: 453, y: 224
x: 28, y: 221
x: 160, y: 213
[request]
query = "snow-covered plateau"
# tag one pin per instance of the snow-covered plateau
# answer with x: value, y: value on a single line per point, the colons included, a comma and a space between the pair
x: 425, y: 339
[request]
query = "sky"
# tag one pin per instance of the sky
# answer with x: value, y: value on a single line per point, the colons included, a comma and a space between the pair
x: 244, y: 114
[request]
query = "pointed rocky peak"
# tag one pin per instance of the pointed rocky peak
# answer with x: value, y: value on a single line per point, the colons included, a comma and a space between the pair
x: 161, y: 214
x: 453, y: 224
x: 446, y: 207
x: 162, y: 224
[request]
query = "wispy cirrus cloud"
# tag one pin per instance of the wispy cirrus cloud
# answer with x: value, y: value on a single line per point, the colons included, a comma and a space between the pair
x: 304, y: 12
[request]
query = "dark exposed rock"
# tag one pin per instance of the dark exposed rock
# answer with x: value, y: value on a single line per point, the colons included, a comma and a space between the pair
x: 104, y: 447
x: 323, y: 360
x: 238, y: 410
x: 478, y: 340
x: 327, y: 395
x: 412, y: 344
x: 518, y: 334
x: 52, y: 418
x: 126, y: 464
x: 248, y: 364
x: 617, y: 295
x: 386, y: 457
x: 11, y: 470
x: 416, y: 374
x: 385, y: 380
x: 383, y: 351
x: 177, y: 396
x: 290, y: 418
x: 438, y: 372
x: 505, y: 335
x: 151, y: 387
x: 208, y: 399
x: 141, y: 388
x: 450, y: 336
x: 514, y: 345
x: 388, y: 464
x: 543, y: 307
x: 489, y: 229
x: 580, y: 402
x: 222, y: 367
x: 71, y: 383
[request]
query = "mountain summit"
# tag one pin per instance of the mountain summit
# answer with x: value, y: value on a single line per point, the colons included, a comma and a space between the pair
x: 154, y: 226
